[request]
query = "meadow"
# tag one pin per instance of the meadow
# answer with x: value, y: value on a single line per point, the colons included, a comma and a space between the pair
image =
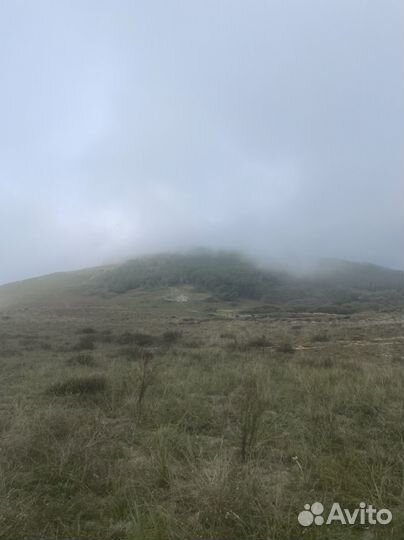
x: 162, y: 414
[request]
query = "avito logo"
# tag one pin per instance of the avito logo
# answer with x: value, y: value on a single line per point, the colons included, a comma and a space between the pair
x: 364, y: 515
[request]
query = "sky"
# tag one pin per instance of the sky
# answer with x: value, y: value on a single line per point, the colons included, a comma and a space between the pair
x: 271, y: 126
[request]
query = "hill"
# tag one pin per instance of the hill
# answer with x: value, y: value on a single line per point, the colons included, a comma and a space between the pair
x: 358, y: 275
x: 226, y: 275
x: 126, y: 413
x: 334, y: 287
x: 48, y: 287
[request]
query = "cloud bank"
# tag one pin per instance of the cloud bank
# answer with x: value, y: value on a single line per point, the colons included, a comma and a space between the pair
x: 274, y: 127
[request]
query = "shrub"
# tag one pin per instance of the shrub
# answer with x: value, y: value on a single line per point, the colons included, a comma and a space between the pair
x: 138, y: 338
x: 82, y: 360
x: 285, y: 347
x: 260, y: 341
x: 171, y: 336
x: 86, y: 343
x: 320, y: 337
x: 144, y: 380
x: 253, y: 343
x: 250, y: 406
x: 227, y: 335
x: 125, y: 339
x: 84, y: 385
x: 87, y: 330
x: 194, y: 343
x: 144, y: 339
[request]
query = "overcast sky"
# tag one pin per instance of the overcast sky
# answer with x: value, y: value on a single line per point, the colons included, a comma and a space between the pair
x: 275, y: 126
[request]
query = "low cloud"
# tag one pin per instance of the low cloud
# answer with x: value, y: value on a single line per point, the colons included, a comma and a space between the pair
x: 271, y: 127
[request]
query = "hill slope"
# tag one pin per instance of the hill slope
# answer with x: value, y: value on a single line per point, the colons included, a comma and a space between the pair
x: 359, y: 275
x: 336, y: 287
x: 47, y: 287
x: 226, y: 275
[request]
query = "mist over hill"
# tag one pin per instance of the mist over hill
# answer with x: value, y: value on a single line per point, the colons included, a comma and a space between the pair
x: 365, y: 276
x: 336, y: 286
x: 141, y: 127
x: 227, y: 275
x: 333, y: 287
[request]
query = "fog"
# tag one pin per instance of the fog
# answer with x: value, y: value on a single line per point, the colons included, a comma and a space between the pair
x: 274, y: 127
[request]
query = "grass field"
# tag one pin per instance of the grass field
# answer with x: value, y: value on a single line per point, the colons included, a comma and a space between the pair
x: 137, y: 417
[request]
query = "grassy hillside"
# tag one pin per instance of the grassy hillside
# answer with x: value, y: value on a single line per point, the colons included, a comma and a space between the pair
x: 225, y: 275
x: 363, y: 276
x: 49, y: 287
x: 133, y: 416
x: 337, y: 287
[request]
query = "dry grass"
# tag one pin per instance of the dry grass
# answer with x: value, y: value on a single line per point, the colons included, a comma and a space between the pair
x: 196, y: 438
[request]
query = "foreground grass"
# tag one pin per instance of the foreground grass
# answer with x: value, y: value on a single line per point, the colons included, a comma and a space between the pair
x: 171, y: 428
